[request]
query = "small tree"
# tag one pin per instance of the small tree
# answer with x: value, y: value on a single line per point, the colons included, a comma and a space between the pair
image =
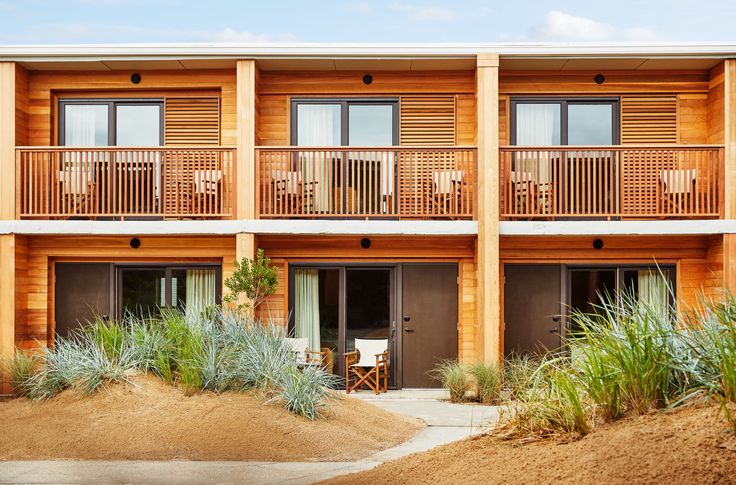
x: 256, y: 279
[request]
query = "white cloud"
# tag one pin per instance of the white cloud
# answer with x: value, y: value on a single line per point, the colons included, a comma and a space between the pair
x: 562, y: 26
x: 100, y: 33
x: 425, y: 12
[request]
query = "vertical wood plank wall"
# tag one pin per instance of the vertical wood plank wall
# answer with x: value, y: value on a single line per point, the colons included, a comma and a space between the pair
x: 276, y: 88
x: 42, y: 251
x: 284, y: 251
x: 45, y: 88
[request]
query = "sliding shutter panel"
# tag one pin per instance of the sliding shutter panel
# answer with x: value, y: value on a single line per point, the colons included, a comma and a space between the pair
x: 428, y: 120
x: 192, y: 121
x: 646, y: 120
x: 651, y: 119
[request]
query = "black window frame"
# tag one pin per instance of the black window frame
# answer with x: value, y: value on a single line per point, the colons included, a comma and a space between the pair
x: 344, y: 104
x: 112, y: 105
x: 564, y: 102
x: 168, y: 270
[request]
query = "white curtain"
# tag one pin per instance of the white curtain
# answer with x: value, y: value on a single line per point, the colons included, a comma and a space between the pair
x: 654, y: 291
x: 85, y: 125
x: 200, y: 289
x: 306, y: 303
x: 318, y: 126
x: 537, y: 125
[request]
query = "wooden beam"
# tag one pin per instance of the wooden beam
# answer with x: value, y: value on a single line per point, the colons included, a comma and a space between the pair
x: 729, y: 262
x: 729, y: 187
x: 489, y: 291
x: 245, y: 171
x: 7, y: 140
x: 7, y: 303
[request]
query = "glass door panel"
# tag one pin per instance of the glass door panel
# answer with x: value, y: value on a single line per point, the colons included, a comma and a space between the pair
x: 589, y: 124
x: 86, y: 125
x: 588, y: 290
x: 371, y: 183
x: 367, y: 305
x: 138, y: 125
x: 538, y: 124
x: 143, y: 291
x: 318, y: 125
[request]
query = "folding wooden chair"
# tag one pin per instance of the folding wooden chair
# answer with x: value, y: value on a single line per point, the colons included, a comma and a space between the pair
x: 291, y: 194
x: 447, y: 191
x: 207, y: 191
x: 302, y: 355
x: 368, y: 365
x: 676, y: 189
x: 78, y: 190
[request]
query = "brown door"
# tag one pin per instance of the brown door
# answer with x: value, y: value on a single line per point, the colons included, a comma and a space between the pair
x: 428, y: 321
x: 82, y: 292
x: 531, y: 308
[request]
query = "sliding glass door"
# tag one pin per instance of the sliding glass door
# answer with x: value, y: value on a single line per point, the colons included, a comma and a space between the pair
x: 331, y: 306
x: 357, y: 181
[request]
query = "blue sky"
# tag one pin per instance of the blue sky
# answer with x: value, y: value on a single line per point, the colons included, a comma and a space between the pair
x: 115, y: 21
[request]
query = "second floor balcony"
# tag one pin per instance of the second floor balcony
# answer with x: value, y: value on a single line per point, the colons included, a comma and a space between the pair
x: 611, y: 182
x: 397, y: 182
x: 120, y: 182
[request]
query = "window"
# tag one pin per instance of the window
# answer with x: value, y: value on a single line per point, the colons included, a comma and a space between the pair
x: 86, y: 123
x: 558, y: 121
x: 144, y: 290
x: 334, y: 122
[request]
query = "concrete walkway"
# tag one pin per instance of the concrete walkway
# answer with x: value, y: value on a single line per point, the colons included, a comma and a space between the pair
x: 446, y: 423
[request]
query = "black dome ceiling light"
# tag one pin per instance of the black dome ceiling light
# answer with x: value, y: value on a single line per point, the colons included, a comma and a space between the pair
x: 599, y: 78
x: 135, y: 78
x: 367, y: 79
x: 598, y: 244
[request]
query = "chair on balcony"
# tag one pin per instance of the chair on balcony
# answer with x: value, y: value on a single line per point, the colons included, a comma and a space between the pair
x: 447, y: 191
x: 207, y: 192
x: 367, y: 365
x: 291, y: 195
x: 78, y: 191
x: 677, y: 190
x: 530, y: 196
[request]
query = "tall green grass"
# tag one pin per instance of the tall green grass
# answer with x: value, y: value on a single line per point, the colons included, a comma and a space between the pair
x: 219, y: 351
x: 626, y: 357
x: 453, y: 376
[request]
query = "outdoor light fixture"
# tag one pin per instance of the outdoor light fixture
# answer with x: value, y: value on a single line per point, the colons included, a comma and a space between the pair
x: 365, y: 243
x: 135, y: 243
x: 135, y: 78
x: 598, y: 244
x: 367, y: 79
x: 599, y: 78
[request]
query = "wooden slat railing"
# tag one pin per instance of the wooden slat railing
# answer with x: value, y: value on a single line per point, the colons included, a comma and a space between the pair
x: 623, y: 181
x: 119, y: 182
x: 356, y: 182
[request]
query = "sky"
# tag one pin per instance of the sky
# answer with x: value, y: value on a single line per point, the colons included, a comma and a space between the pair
x: 133, y: 21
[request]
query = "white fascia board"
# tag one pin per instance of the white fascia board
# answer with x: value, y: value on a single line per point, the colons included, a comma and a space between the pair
x: 102, y: 52
x: 265, y: 227
x: 617, y: 228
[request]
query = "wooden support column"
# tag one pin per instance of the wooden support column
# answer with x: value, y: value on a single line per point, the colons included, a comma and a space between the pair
x: 7, y: 211
x: 245, y: 171
x: 489, y: 290
x: 729, y: 186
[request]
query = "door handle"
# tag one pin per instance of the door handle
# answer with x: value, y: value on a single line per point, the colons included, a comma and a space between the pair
x: 407, y: 318
x: 408, y: 330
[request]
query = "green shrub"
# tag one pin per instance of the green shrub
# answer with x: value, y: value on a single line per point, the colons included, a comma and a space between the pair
x: 488, y: 379
x: 454, y: 377
x: 21, y: 370
x: 518, y: 374
x: 306, y: 392
x: 254, y: 278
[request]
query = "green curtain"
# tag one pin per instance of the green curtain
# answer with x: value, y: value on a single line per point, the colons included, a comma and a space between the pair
x: 306, y: 302
x: 654, y: 291
x: 200, y: 291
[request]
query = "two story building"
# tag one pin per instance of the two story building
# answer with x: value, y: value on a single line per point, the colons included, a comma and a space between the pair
x: 460, y: 201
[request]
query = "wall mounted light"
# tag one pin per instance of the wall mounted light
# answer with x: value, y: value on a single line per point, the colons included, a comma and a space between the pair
x: 367, y: 79
x: 365, y: 243
x: 135, y: 78
x: 599, y: 78
x: 135, y: 243
x: 598, y: 244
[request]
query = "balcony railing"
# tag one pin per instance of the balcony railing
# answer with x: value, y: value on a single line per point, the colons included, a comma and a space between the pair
x: 160, y: 182
x: 356, y: 182
x: 627, y: 182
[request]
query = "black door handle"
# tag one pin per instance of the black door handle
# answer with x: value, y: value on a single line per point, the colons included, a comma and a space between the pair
x: 408, y: 330
x: 407, y: 318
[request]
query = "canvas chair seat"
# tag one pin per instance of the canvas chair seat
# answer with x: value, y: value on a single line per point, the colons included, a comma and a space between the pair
x: 367, y: 365
x: 679, y: 181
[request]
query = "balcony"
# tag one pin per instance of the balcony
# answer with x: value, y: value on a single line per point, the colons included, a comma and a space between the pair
x: 611, y: 182
x: 366, y: 183
x: 119, y: 183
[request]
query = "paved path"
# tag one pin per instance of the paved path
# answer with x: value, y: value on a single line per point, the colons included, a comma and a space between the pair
x: 446, y: 422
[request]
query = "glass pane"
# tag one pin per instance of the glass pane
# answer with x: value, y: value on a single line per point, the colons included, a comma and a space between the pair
x: 318, y: 125
x: 588, y: 289
x: 138, y: 125
x: 143, y: 291
x: 368, y: 305
x: 85, y: 125
x: 537, y: 124
x: 370, y: 125
x: 589, y: 124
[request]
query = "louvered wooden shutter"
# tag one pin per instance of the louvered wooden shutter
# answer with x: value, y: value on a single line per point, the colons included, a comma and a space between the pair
x: 649, y: 119
x: 428, y: 120
x: 192, y: 121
